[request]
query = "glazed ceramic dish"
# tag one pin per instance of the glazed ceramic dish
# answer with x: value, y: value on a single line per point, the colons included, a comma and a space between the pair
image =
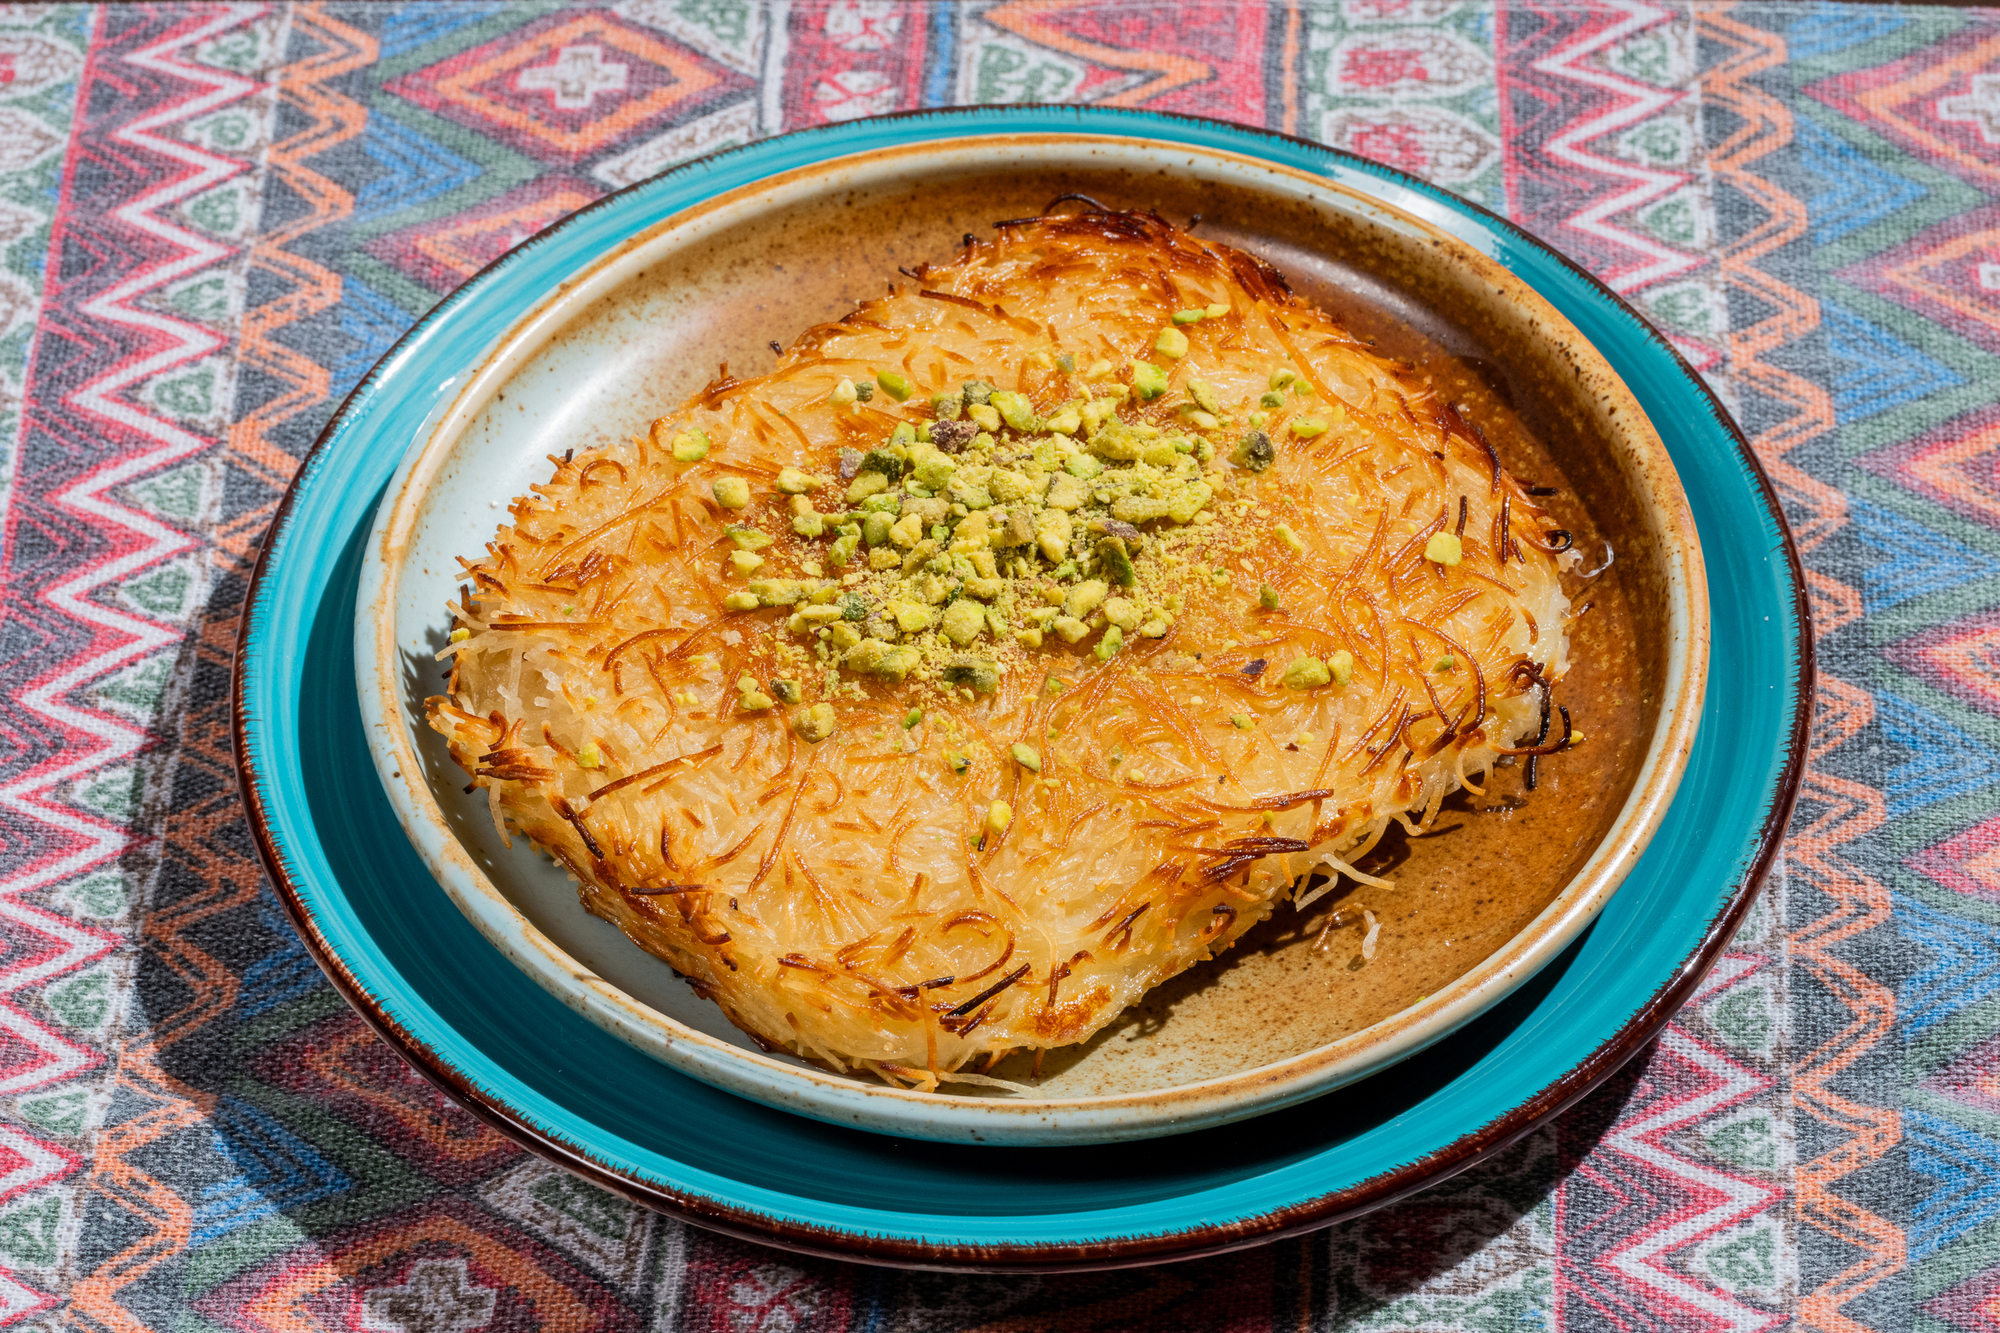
x: 549, y: 1071
x: 1482, y: 906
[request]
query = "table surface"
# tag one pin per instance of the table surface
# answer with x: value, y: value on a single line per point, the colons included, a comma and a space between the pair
x: 213, y: 219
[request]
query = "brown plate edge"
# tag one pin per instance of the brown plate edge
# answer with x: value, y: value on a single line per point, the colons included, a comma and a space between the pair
x: 1219, y: 1238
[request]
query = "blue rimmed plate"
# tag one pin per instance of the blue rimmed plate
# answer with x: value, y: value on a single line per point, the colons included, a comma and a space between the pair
x: 461, y: 1012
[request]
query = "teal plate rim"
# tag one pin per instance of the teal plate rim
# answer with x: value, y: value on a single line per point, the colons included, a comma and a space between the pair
x: 497, y: 1044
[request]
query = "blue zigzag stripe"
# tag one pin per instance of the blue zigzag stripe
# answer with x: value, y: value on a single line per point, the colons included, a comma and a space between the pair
x: 1860, y: 192
x: 1886, y: 371
x: 286, y: 973
x: 1943, y: 762
x: 276, y: 1171
x: 415, y: 169
x: 410, y: 26
x: 1965, y: 1167
x: 1915, y: 560
x: 374, y: 322
x: 1964, y: 967
x: 1825, y: 28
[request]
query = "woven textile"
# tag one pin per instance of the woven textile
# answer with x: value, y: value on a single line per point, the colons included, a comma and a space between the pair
x: 213, y: 218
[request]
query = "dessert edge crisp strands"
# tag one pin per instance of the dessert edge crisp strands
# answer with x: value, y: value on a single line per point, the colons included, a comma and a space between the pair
x: 1022, y: 639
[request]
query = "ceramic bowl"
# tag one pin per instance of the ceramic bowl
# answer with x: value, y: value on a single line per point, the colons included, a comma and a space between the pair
x: 1488, y: 901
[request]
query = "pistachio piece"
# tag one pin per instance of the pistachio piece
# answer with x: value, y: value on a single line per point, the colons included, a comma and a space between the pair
x: 1085, y: 597
x: 1254, y: 451
x: 1172, y: 344
x: 864, y: 485
x: 731, y: 492
x: 895, y: 385
x: 791, y: 481
x: 1066, y: 492
x: 1026, y: 756
x: 1306, y: 673
x: 786, y: 690
x: 1015, y: 410
x: 814, y: 724
x: 981, y: 675
x: 952, y: 435
x: 1148, y: 380
x: 1116, y: 562
x: 690, y: 446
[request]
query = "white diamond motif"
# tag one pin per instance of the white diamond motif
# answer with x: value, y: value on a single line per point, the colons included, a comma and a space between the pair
x: 439, y: 1297
x: 1979, y: 108
x: 576, y: 76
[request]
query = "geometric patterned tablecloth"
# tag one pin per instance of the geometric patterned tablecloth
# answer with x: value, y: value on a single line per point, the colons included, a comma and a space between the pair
x: 214, y: 217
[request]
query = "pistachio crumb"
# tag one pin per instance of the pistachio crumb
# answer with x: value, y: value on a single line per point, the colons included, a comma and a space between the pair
x: 1026, y: 756
x: 998, y: 816
x: 1267, y: 597
x: 731, y: 492
x: 912, y: 718
x: 1444, y: 548
x: 815, y: 723
x: 589, y: 757
x: 1306, y: 673
x: 691, y: 446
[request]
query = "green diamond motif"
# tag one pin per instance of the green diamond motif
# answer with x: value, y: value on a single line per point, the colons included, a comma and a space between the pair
x: 1647, y: 57
x: 224, y: 211
x: 98, y: 895
x: 729, y: 20
x: 205, y: 298
x: 1660, y: 142
x: 230, y: 131
x: 139, y: 688
x: 164, y: 592
x: 1007, y: 75
x: 115, y: 795
x: 1750, y: 1141
x: 1744, y: 1017
x: 83, y: 1001
x: 1748, y: 1260
x: 242, y: 50
x: 58, y: 1112
x: 174, y: 494
x: 189, y: 394
x: 28, y: 1233
x: 1673, y: 221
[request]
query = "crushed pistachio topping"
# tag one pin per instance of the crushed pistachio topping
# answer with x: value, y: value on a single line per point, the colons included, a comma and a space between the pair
x: 954, y: 546
x: 1443, y: 548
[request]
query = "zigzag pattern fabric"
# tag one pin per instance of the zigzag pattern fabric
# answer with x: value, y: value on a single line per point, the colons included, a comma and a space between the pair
x: 214, y: 217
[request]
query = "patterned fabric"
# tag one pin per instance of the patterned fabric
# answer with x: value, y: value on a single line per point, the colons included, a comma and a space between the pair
x: 214, y: 217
